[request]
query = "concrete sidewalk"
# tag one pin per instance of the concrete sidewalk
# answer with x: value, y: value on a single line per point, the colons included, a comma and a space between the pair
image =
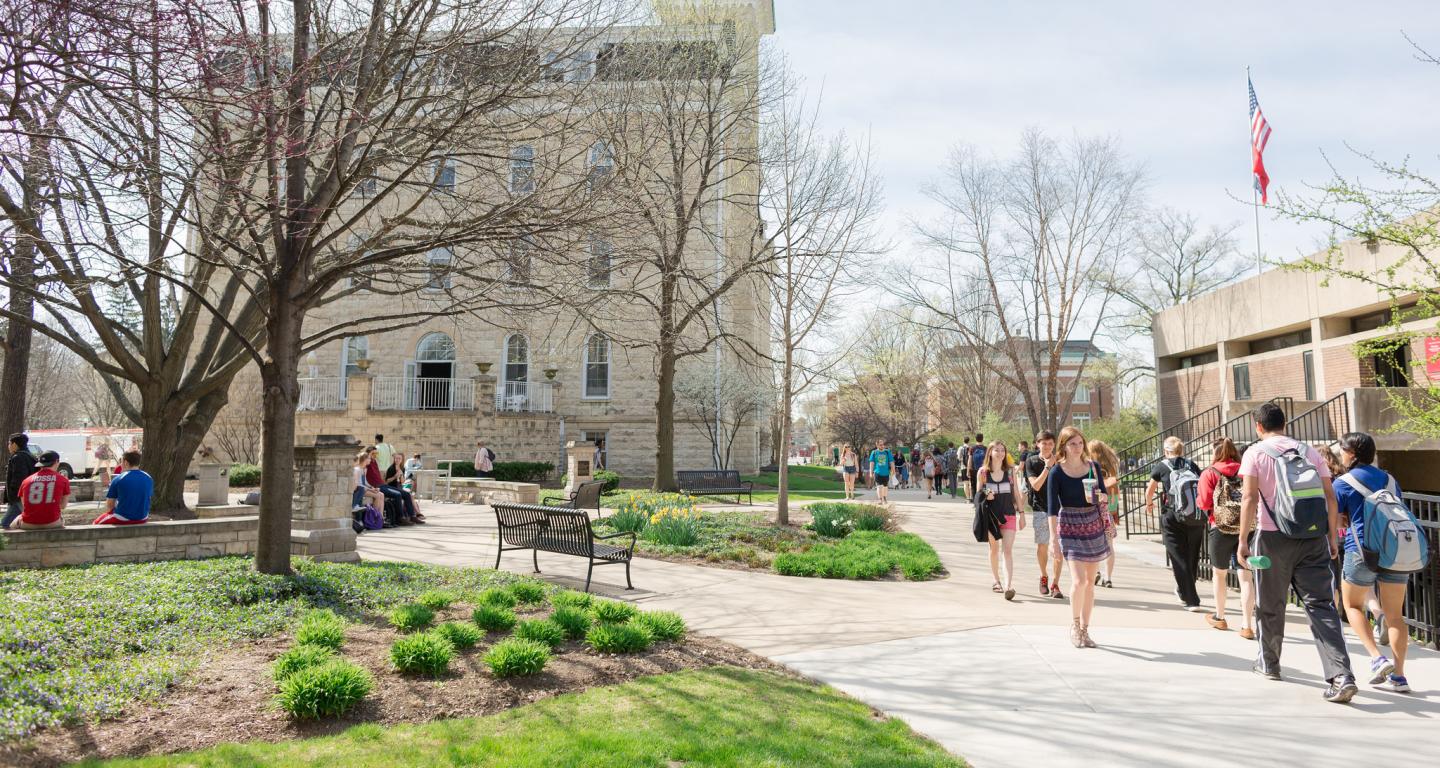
x: 997, y: 682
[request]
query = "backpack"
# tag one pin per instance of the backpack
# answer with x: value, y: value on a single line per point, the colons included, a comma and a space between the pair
x: 930, y: 467
x: 1394, y: 541
x: 1180, y: 494
x: 372, y: 519
x: 487, y: 462
x: 1299, y: 511
x: 1226, y: 503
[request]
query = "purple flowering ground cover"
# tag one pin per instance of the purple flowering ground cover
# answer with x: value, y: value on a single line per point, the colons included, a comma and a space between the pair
x: 78, y: 644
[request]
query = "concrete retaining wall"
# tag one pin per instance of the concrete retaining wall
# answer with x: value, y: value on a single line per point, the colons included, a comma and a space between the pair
x: 160, y: 540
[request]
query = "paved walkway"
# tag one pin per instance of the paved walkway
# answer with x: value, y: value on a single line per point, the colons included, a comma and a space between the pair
x: 998, y: 683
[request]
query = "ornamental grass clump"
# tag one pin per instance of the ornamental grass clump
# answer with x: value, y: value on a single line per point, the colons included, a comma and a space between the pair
x: 322, y: 628
x: 674, y: 526
x: 618, y: 638
x: 462, y: 636
x: 517, y: 657
x: 569, y: 598
x: 662, y: 625
x: 497, y: 596
x: 411, y: 617
x: 612, y: 612
x: 574, y: 621
x: 831, y: 521
x: 527, y: 592
x: 427, y: 653
x: 493, y: 618
x: 541, y: 631
x: 298, y: 658
x: 325, y: 690
x: 436, y: 599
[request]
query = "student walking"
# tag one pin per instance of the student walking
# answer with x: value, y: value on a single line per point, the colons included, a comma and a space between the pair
x: 484, y: 460
x: 951, y: 470
x: 1102, y: 454
x: 1220, y: 498
x: 880, y: 471
x: 996, y: 501
x: 903, y: 465
x: 931, y: 471
x: 975, y: 460
x: 1176, y: 480
x: 1362, y: 482
x: 1288, y: 503
x: 1079, y: 527
x: 1037, y: 472
x: 849, y: 468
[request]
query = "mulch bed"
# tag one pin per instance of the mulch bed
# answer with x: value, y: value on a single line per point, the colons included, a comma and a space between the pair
x: 230, y: 697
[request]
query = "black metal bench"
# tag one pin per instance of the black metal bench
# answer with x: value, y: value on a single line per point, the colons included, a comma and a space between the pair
x: 587, y: 496
x: 715, y: 482
x: 562, y: 531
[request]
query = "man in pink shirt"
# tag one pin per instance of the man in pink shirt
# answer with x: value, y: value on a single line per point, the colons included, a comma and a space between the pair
x: 1303, y: 563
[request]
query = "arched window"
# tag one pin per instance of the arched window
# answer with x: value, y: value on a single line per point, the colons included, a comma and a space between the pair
x: 597, y: 367
x: 600, y: 260
x: 602, y: 163
x: 431, y: 385
x: 522, y: 170
x: 517, y: 359
x: 435, y: 348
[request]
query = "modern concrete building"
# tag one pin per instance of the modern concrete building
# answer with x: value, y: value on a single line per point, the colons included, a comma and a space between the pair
x: 1291, y: 335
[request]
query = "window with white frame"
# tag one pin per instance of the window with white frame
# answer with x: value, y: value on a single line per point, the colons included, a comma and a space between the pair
x: 438, y: 262
x: 1082, y: 394
x: 518, y: 261
x: 597, y: 367
x: 1081, y: 420
x: 359, y: 278
x: 601, y: 257
x: 522, y: 170
x: 602, y: 164
x: 517, y: 359
x: 445, y: 175
x: 582, y: 67
x: 352, y: 351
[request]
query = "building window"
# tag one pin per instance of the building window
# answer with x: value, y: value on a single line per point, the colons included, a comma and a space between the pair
x: 522, y: 170
x: 438, y: 262
x: 1283, y: 341
x: 597, y: 367
x: 1080, y: 420
x: 1308, y: 360
x: 359, y: 277
x: 1392, y: 369
x: 517, y: 359
x: 599, y: 266
x: 582, y: 67
x: 1203, y: 358
x: 1082, y: 394
x: 1242, y: 381
x: 445, y: 176
x: 602, y: 164
x: 352, y: 351
x: 518, y: 262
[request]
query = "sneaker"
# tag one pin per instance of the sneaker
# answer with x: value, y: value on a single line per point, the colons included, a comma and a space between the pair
x: 1247, y: 633
x: 1056, y: 593
x: 1395, y: 684
x: 1195, y: 608
x: 1380, y: 669
x: 1341, y: 690
x: 1009, y: 594
x: 1180, y: 599
x: 1259, y: 670
x: 1044, y: 586
x: 1216, y: 622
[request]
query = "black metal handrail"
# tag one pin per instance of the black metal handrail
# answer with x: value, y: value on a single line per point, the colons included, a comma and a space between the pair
x: 1324, y: 423
x: 1185, y: 430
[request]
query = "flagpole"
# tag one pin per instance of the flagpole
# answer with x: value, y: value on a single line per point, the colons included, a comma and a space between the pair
x: 1254, y: 193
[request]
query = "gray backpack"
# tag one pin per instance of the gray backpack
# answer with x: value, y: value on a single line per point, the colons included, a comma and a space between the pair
x: 1299, y: 511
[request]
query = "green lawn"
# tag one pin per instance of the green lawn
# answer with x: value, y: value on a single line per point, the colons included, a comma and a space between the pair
x: 864, y: 555
x: 720, y: 716
x: 79, y: 643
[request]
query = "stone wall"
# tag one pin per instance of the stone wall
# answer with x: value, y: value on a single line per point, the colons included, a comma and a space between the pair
x: 161, y: 540
x: 320, y: 510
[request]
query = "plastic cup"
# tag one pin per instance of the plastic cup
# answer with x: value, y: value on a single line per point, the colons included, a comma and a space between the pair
x: 1090, y: 484
x: 1258, y: 562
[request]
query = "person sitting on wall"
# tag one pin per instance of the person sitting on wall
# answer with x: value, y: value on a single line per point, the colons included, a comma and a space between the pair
x: 411, y: 465
x: 44, y: 494
x: 396, y: 475
x: 127, y: 502
x: 375, y: 477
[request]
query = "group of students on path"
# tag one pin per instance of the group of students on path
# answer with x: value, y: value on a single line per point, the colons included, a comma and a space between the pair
x: 36, y: 494
x: 935, y: 468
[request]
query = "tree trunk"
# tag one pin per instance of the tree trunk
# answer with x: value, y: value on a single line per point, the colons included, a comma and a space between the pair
x: 171, y: 436
x: 16, y: 372
x: 665, y: 421
x: 277, y: 447
x: 782, y: 498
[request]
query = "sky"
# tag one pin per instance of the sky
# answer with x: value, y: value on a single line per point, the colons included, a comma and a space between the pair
x: 1167, y: 79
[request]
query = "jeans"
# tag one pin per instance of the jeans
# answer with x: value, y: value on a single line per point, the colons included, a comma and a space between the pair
x: 407, y: 502
x: 1182, y: 546
x: 952, y: 478
x: 12, y: 511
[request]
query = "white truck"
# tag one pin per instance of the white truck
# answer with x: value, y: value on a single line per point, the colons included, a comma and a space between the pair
x: 77, y: 447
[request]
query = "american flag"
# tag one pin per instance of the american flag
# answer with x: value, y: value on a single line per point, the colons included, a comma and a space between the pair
x: 1259, y: 135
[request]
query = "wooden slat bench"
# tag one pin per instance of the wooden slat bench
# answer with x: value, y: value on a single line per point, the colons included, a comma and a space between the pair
x: 562, y: 531
x: 715, y: 482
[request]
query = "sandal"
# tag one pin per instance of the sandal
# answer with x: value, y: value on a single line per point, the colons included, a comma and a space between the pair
x: 1108, y: 584
x: 1097, y: 579
x: 996, y: 587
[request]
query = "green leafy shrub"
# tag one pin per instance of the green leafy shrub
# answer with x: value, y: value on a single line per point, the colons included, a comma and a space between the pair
x: 662, y: 625
x: 612, y: 611
x: 674, y: 526
x: 573, y: 620
x: 872, y: 521
x: 517, y: 657
x: 326, y: 690
x: 426, y: 653
x: 618, y: 638
x: 523, y: 471
x: 570, y: 598
x: 411, y: 617
x: 322, y: 628
x: 436, y: 599
x: 493, y: 618
x: 462, y: 636
x: 298, y: 658
x: 610, y: 479
x: 541, y: 631
x: 628, y: 520
x: 497, y: 596
x: 244, y: 475
x: 830, y: 522
x: 528, y: 592
x: 864, y: 555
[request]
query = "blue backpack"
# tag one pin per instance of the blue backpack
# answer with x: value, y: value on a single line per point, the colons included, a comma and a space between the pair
x: 1393, y: 541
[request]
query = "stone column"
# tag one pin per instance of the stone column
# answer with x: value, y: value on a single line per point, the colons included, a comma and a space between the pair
x: 357, y: 397
x: 320, y: 526
x: 214, y: 484
x: 579, y: 454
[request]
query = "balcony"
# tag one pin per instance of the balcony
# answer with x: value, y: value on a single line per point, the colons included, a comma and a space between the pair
x: 321, y: 394
x: 398, y: 393
x: 525, y: 397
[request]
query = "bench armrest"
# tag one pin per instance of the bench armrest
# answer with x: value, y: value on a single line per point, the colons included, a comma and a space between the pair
x: 631, y: 534
x: 748, y: 484
x: 557, y: 502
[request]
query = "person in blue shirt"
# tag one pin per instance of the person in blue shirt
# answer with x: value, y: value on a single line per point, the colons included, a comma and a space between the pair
x: 977, y: 460
x: 1357, y: 454
x: 128, y: 500
x: 880, y: 463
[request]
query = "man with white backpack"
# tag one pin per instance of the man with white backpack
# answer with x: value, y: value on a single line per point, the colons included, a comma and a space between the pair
x: 1383, y: 547
x: 1287, y: 501
x: 1176, y: 480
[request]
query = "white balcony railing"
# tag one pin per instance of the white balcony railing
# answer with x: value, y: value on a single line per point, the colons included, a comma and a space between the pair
x: 397, y: 393
x: 525, y: 397
x: 321, y: 394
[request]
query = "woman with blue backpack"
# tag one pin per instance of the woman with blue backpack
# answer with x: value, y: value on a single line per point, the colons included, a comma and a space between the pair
x: 1362, y: 496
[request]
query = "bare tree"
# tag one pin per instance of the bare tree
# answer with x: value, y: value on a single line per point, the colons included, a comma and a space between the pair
x: 1026, y: 247
x: 887, y: 384
x: 721, y: 412
x: 238, y: 427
